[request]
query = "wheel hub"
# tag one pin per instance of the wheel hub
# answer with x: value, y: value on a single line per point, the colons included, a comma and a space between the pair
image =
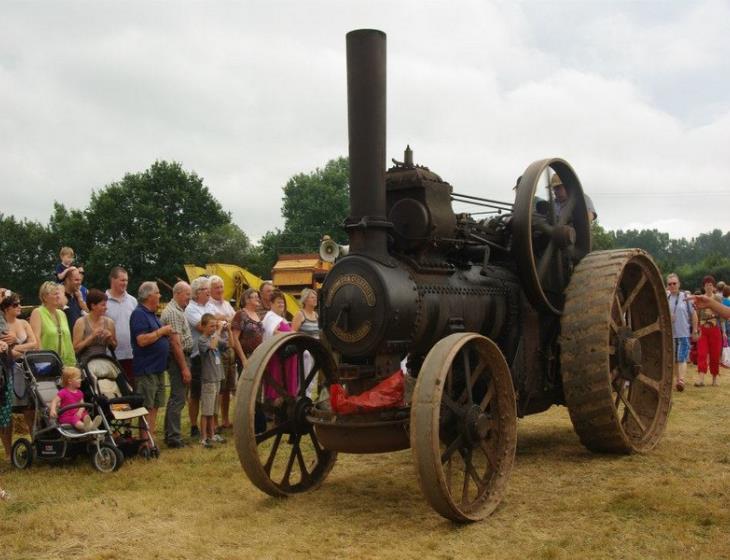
x: 299, y: 412
x: 476, y: 425
x: 629, y: 353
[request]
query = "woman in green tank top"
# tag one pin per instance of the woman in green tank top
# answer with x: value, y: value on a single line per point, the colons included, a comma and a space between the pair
x: 50, y: 325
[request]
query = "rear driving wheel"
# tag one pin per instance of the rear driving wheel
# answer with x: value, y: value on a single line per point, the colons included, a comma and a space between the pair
x: 276, y: 444
x: 616, y: 352
x: 464, y: 427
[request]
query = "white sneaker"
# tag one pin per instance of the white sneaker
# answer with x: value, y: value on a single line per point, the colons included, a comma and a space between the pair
x: 218, y: 439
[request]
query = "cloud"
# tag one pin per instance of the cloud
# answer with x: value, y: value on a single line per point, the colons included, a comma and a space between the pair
x: 249, y: 95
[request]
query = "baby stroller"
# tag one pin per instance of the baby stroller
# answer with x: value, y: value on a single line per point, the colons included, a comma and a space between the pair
x: 121, y: 408
x: 51, y: 441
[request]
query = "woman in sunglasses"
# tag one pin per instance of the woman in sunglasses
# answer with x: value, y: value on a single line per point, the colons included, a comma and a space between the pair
x: 20, y: 328
x: 22, y: 338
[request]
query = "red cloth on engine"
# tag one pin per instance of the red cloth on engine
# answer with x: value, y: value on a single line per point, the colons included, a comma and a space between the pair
x: 386, y: 394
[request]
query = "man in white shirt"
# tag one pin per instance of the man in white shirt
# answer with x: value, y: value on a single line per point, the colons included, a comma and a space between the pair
x: 119, y: 309
x: 225, y: 312
x: 199, y: 305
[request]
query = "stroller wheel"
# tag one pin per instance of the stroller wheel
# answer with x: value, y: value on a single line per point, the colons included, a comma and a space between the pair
x: 144, y: 452
x: 106, y: 459
x: 120, y: 457
x: 22, y: 454
x: 155, y: 452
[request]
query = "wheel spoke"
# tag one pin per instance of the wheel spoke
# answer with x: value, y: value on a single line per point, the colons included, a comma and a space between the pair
x: 290, y: 463
x: 316, y: 366
x: 648, y: 329
x: 635, y: 291
x: 449, y: 451
x: 272, y: 454
x: 648, y: 381
x: 473, y: 473
x: 465, y: 488
x: 467, y: 376
x: 276, y: 430
x: 300, y: 373
x: 302, y: 465
x: 620, y: 307
x: 619, y: 393
x: 487, y: 397
x: 474, y: 377
x: 544, y: 265
x: 269, y: 380
x: 489, y: 453
x: 632, y: 412
x: 455, y: 408
x: 318, y: 449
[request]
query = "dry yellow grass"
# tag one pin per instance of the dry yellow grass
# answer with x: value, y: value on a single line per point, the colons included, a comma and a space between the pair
x: 562, y: 502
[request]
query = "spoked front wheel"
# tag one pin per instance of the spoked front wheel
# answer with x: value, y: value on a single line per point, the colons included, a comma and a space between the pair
x: 464, y: 427
x: 276, y: 444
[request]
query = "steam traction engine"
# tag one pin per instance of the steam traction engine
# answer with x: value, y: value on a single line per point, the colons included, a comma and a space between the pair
x: 498, y: 318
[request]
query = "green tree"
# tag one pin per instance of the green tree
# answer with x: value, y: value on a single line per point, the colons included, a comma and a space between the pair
x: 28, y: 256
x: 314, y: 204
x: 600, y: 238
x: 152, y: 223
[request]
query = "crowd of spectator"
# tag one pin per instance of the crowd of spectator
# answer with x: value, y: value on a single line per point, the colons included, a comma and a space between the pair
x: 700, y: 328
x: 194, y: 350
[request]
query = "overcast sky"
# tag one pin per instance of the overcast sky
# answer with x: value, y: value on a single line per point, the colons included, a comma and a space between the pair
x: 636, y: 96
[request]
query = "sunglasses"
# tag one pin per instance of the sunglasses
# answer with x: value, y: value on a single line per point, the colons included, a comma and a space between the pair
x: 16, y: 304
x: 671, y: 283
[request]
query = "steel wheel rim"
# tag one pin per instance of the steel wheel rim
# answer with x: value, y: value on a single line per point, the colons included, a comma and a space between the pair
x: 286, y: 458
x: 464, y: 439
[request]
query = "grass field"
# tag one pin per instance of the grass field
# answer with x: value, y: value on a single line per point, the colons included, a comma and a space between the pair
x: 562, y: 502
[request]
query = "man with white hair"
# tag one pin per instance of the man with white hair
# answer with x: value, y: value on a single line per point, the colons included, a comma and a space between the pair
x: 224, y: 312
x: 199, y: 305
x: 150, y: 346
x: 178, y: 369
x: 684, y: 325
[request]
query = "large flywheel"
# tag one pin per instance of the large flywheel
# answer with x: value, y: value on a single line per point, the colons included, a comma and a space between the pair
x: 547, y: 243
x: 616, y: 352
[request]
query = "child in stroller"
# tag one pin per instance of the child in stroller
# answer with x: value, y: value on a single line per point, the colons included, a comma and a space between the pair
x: 53, y: 440
x: 120, y: 407
x: 71, y: 395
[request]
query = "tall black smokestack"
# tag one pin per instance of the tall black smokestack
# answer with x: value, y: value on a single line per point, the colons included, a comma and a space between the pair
x: 366, y: 70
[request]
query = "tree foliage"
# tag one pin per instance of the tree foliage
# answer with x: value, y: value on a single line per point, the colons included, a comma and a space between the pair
x: 708, y: 253
x: 314, y: 204
x: 28, y: 256
x: 151, y: 223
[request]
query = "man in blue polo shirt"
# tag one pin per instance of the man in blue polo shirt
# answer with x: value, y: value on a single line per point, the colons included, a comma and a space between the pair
x: 150, y: 349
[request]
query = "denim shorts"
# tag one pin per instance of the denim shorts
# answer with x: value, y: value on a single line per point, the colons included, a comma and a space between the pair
x: 681, y: 350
